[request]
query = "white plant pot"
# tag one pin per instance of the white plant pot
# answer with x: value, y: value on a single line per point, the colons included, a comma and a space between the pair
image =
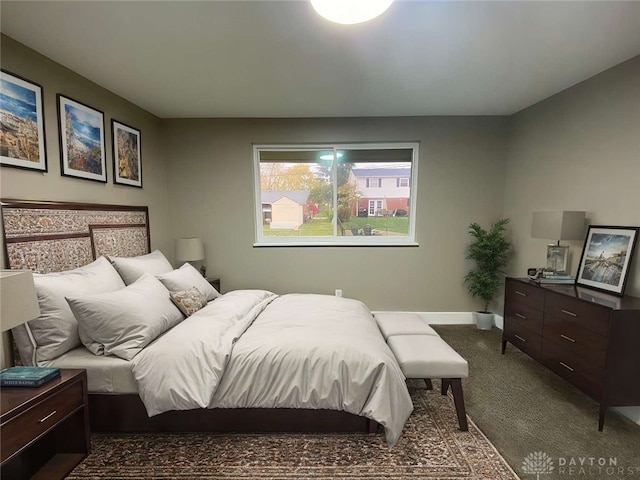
x: 484, y: 320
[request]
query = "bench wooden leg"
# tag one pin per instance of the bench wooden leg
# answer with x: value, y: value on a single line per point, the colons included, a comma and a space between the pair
x: 458, y: 399
x: 427, y: 381
x: 445, y: 385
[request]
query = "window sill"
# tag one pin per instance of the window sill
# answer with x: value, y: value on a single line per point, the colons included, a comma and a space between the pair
x: 333, y: 243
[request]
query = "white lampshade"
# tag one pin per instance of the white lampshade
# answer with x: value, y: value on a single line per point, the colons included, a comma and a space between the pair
x: 189, y: 250
x: 350, y: 11
x: 565, y: 225
x: 18, y: 298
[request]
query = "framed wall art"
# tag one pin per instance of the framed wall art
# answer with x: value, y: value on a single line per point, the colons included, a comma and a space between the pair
x: 606, y: 258
x: 22, y: 138
x: 127, y: 154
x: 82, y: 146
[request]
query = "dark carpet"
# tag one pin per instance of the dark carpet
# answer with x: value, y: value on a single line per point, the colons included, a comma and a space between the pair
x: 432, y: 447
x: 524, y: 408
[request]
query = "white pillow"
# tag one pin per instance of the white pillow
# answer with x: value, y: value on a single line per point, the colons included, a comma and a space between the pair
x: 55, y: 331
x: 125, y: 321
x: 132, y: 268
x: 187, y: 277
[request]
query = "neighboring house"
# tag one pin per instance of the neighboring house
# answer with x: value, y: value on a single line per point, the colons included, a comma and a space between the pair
x: 382, y: 190
x: 285, y: 209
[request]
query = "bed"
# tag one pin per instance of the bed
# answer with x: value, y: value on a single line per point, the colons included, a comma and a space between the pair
x: 248, y: 360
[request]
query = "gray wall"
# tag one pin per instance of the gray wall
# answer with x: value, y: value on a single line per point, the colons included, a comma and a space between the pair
x: 461, y: 180
x: 577, y: 150
x: 31, y: 185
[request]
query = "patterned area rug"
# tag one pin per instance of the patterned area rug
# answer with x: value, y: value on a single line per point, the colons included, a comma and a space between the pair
x: 431, y: 447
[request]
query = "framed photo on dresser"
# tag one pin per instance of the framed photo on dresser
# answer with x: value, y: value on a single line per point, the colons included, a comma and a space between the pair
x: 606, y: 258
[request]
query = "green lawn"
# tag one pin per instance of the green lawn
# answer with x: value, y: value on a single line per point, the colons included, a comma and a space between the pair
x: 386, y: 224
x: 321, y: 227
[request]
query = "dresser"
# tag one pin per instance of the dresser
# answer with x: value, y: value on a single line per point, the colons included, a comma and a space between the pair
x: 44, y: 431
x: 589, y: 338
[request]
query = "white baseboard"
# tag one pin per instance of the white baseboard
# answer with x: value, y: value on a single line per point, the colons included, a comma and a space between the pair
x: 451, y: 318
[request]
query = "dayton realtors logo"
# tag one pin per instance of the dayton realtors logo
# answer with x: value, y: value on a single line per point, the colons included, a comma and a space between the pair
x: 537, y: 463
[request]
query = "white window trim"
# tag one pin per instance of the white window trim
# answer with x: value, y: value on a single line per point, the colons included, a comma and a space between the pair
x: 377, y: 241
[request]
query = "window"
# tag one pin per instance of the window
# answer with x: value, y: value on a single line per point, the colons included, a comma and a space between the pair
x: 360, y: 194
x: 374, y: 182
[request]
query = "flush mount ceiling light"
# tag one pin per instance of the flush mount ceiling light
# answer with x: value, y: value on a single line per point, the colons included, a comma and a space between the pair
x: 350, y: 11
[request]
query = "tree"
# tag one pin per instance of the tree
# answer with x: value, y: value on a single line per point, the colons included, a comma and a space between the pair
x: 347, y: 195
x: 490, y: 251
x: 287, y: 176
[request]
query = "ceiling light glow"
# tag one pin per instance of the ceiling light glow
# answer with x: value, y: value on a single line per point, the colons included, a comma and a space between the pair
x: 349, y: 12
x: 329, y: 156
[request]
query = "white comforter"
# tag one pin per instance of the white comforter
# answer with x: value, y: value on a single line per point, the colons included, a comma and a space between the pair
x: 253, y: 349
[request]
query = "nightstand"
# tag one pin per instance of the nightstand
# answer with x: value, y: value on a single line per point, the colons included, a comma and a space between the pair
x: 44, y: 431
x: 215, y: 283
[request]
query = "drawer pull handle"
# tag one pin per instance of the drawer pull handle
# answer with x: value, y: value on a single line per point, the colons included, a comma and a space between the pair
x: 569, y: 313
x: 521, y: 316
x: 42, y: 420
x: 520, y: 338
x: 568, y: 338
x: 520, y: 293
x: 566, y: 366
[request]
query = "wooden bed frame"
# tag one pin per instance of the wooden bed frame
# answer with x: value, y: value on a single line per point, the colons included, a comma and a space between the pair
x: 55, y: 236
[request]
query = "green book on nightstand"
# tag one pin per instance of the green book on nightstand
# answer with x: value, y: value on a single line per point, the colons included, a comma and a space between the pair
x: 27, y: 376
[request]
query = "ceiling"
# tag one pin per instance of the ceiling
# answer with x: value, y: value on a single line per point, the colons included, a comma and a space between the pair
x: 280, y: 59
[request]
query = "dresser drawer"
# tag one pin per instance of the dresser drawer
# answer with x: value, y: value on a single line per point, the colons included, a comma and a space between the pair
x: 524, y: 293
x: 37, y: 420
x: 584, y: 315
x: 580, y: 372
x: 524, y: 315
x: 523, y: 338
x: 580, y: 341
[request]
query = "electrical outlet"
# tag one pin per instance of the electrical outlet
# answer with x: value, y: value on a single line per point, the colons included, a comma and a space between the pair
x: 338, y: 292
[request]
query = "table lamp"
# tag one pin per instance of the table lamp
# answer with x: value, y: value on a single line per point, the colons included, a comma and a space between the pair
x: 18, y: 302
x: 191, y: 250
x: 564, y: 225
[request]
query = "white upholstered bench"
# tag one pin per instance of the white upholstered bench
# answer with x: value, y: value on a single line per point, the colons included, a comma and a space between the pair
x: 422, y: 354
x: 428, y: 356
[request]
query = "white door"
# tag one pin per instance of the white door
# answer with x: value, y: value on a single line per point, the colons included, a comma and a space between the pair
x: 374, y: 206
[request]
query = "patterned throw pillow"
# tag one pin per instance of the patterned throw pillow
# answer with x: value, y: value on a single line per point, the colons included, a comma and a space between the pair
x: 189, y: 301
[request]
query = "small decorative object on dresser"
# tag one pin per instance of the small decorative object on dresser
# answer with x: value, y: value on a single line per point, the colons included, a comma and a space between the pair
x: 606, y: 258
x: 591, y: 341
x: 45, y: 430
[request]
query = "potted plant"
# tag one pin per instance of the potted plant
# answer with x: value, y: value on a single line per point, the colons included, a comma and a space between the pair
x: 490, y: 250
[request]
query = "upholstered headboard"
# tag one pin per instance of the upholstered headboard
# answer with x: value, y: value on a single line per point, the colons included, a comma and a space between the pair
x: 55, y: 236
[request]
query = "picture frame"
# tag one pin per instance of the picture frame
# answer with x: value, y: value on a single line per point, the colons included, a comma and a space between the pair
x: 557, y: 258
x: 127, y: 154
x: 22, y: 133
x: 82, y: 144
x: 606, y: 258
